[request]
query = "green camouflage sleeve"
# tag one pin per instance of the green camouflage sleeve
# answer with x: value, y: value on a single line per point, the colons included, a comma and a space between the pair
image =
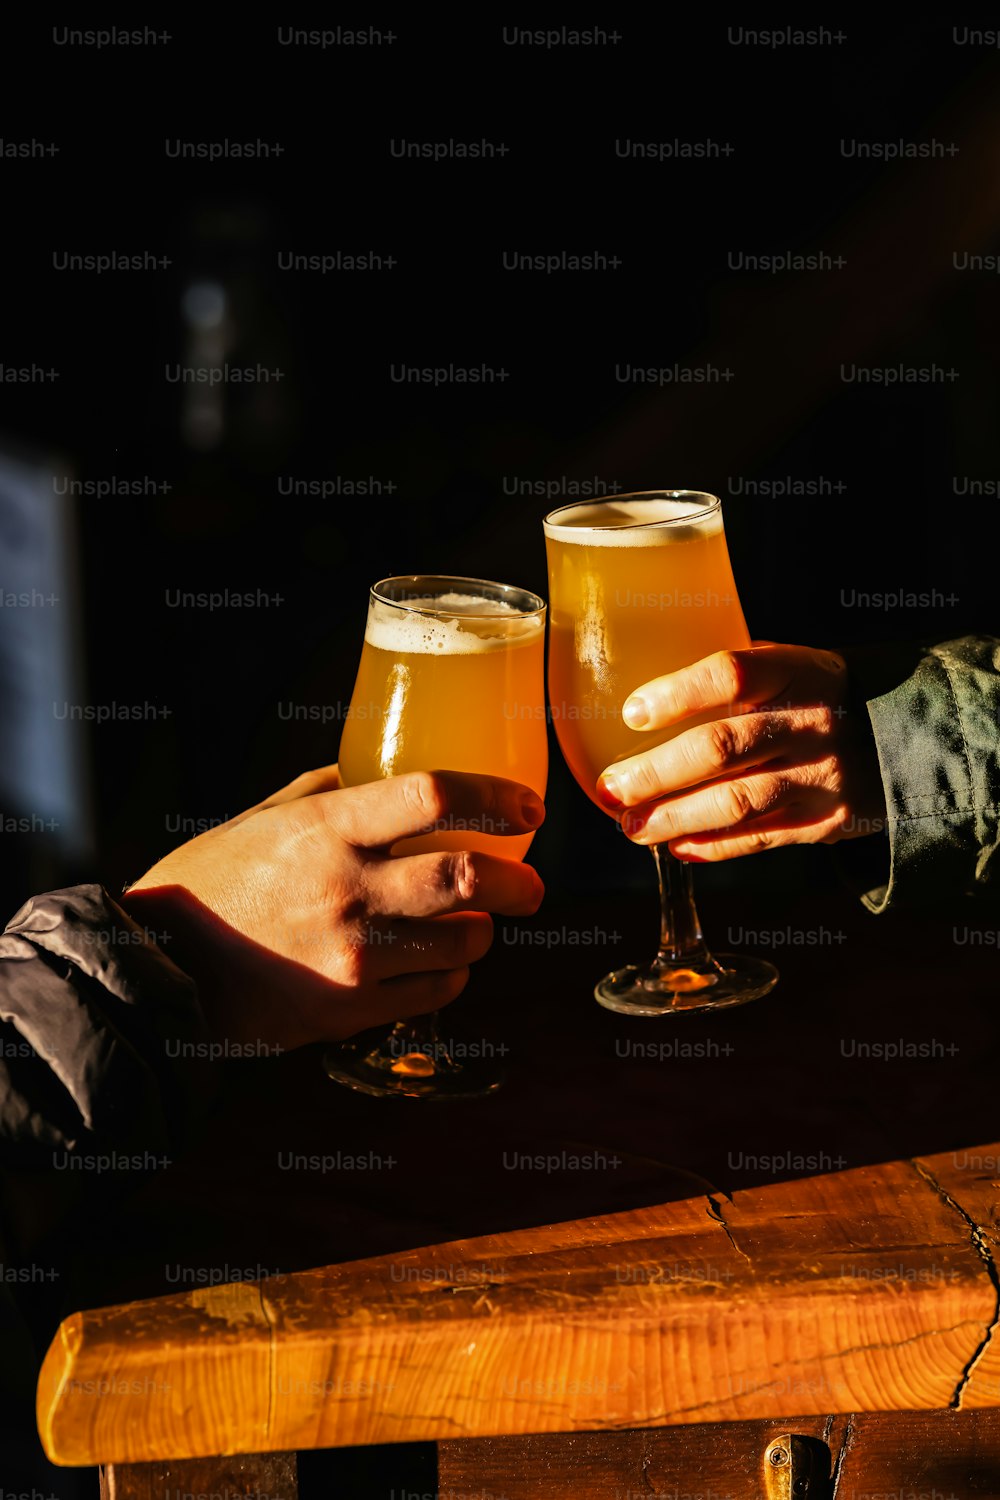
x: 935, y: 714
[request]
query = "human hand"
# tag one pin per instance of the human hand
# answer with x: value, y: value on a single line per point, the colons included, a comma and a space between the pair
x: 782, y: 759
x: 299, y: 925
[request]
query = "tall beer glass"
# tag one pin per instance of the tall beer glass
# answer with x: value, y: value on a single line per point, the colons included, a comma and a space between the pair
x: 451, y: 678
x: 641, y: 585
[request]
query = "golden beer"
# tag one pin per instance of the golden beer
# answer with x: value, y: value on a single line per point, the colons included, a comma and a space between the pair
x: 637, y: 588
x: 451, y: 679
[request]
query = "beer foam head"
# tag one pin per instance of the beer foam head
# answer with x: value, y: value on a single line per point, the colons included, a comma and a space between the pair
x: 452, y: 624
x: 635, y: 522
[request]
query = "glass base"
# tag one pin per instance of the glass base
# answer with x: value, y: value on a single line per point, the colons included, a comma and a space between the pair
x: 706, y: 983
x: 414, y: 1069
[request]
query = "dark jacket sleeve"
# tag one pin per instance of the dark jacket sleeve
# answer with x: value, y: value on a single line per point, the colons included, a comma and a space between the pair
x: 935, y: 715
x: 105, y: 1064
x: 105, y: 1072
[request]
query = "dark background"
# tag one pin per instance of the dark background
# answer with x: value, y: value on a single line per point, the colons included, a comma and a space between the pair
x: 887, y: 462
x: 878, y: 475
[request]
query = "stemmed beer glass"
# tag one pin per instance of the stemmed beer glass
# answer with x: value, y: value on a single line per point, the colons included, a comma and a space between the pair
x: 451, y: 678
x: 641, y: 585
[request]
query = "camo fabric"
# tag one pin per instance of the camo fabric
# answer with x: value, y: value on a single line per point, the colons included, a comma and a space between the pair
x: 937, y: 732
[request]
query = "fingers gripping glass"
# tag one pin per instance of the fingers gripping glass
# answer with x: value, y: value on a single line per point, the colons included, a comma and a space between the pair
x: 641, y: 585
x: 451, y: 678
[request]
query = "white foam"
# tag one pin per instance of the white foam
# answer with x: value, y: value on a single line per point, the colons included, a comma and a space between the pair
x: 477, y: 625
x: 636, y: 523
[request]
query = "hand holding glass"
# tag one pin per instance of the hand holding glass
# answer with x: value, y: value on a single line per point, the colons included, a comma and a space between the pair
x: 451, y: 677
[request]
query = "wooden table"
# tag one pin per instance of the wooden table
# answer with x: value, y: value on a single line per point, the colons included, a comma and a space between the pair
x: 772, y: 1263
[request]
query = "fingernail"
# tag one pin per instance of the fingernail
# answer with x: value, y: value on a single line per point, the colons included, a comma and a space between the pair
x: 633, y: 824
x: 532, y: 811
x: 635, y: 713
x: 609, y: 791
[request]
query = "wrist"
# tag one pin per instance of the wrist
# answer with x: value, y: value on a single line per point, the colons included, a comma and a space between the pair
x: 233, y: 976
x: 168, y: 911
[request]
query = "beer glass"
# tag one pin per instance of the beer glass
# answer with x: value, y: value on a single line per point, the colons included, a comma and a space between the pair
x: 451, y: 678
x: 641, y: 585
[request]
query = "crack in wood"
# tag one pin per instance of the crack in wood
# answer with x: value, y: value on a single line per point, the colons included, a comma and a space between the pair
x: 978, y: 1237
x: 644, y: 1467
x: 715, y: 1212
x: 845, y: 1444
x: 427, y: 1416
x: 271, y: 1361
x: 915, y: 1338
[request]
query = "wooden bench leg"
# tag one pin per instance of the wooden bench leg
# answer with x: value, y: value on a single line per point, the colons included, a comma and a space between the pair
x: 248, y: 1476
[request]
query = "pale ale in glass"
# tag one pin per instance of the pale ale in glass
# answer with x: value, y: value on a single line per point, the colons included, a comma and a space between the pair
x: 451, y: 679
x: 639, y: 586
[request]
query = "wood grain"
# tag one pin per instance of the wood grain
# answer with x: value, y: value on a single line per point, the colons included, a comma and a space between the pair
x: 868, y: 1290
x: 941, y: 1455
x: 254, y: 1476
x: 970, y: 1180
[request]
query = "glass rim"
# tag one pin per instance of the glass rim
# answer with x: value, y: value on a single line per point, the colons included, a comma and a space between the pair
x: 714, y: 504
x: 453, y: 581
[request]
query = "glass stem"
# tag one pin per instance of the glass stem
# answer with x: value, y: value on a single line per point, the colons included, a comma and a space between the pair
x: 681, y: 939
x: 413, y: 1035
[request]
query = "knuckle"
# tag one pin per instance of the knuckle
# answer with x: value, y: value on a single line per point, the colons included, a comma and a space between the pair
x: 353, y: 965
x: 495, y: 793
x: 306, y: 783
x: 343, y: 892
x: 728, y: 675
x: 769, y: 791
x: 426, y: 795
x: 338, y: 817
x: 449, y: 871
x: 495, y: 807
x: 721, y: 743
x: 737, y: 801
x: 303, y: 818
x: 768, y: 726
x: 758, y: 841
